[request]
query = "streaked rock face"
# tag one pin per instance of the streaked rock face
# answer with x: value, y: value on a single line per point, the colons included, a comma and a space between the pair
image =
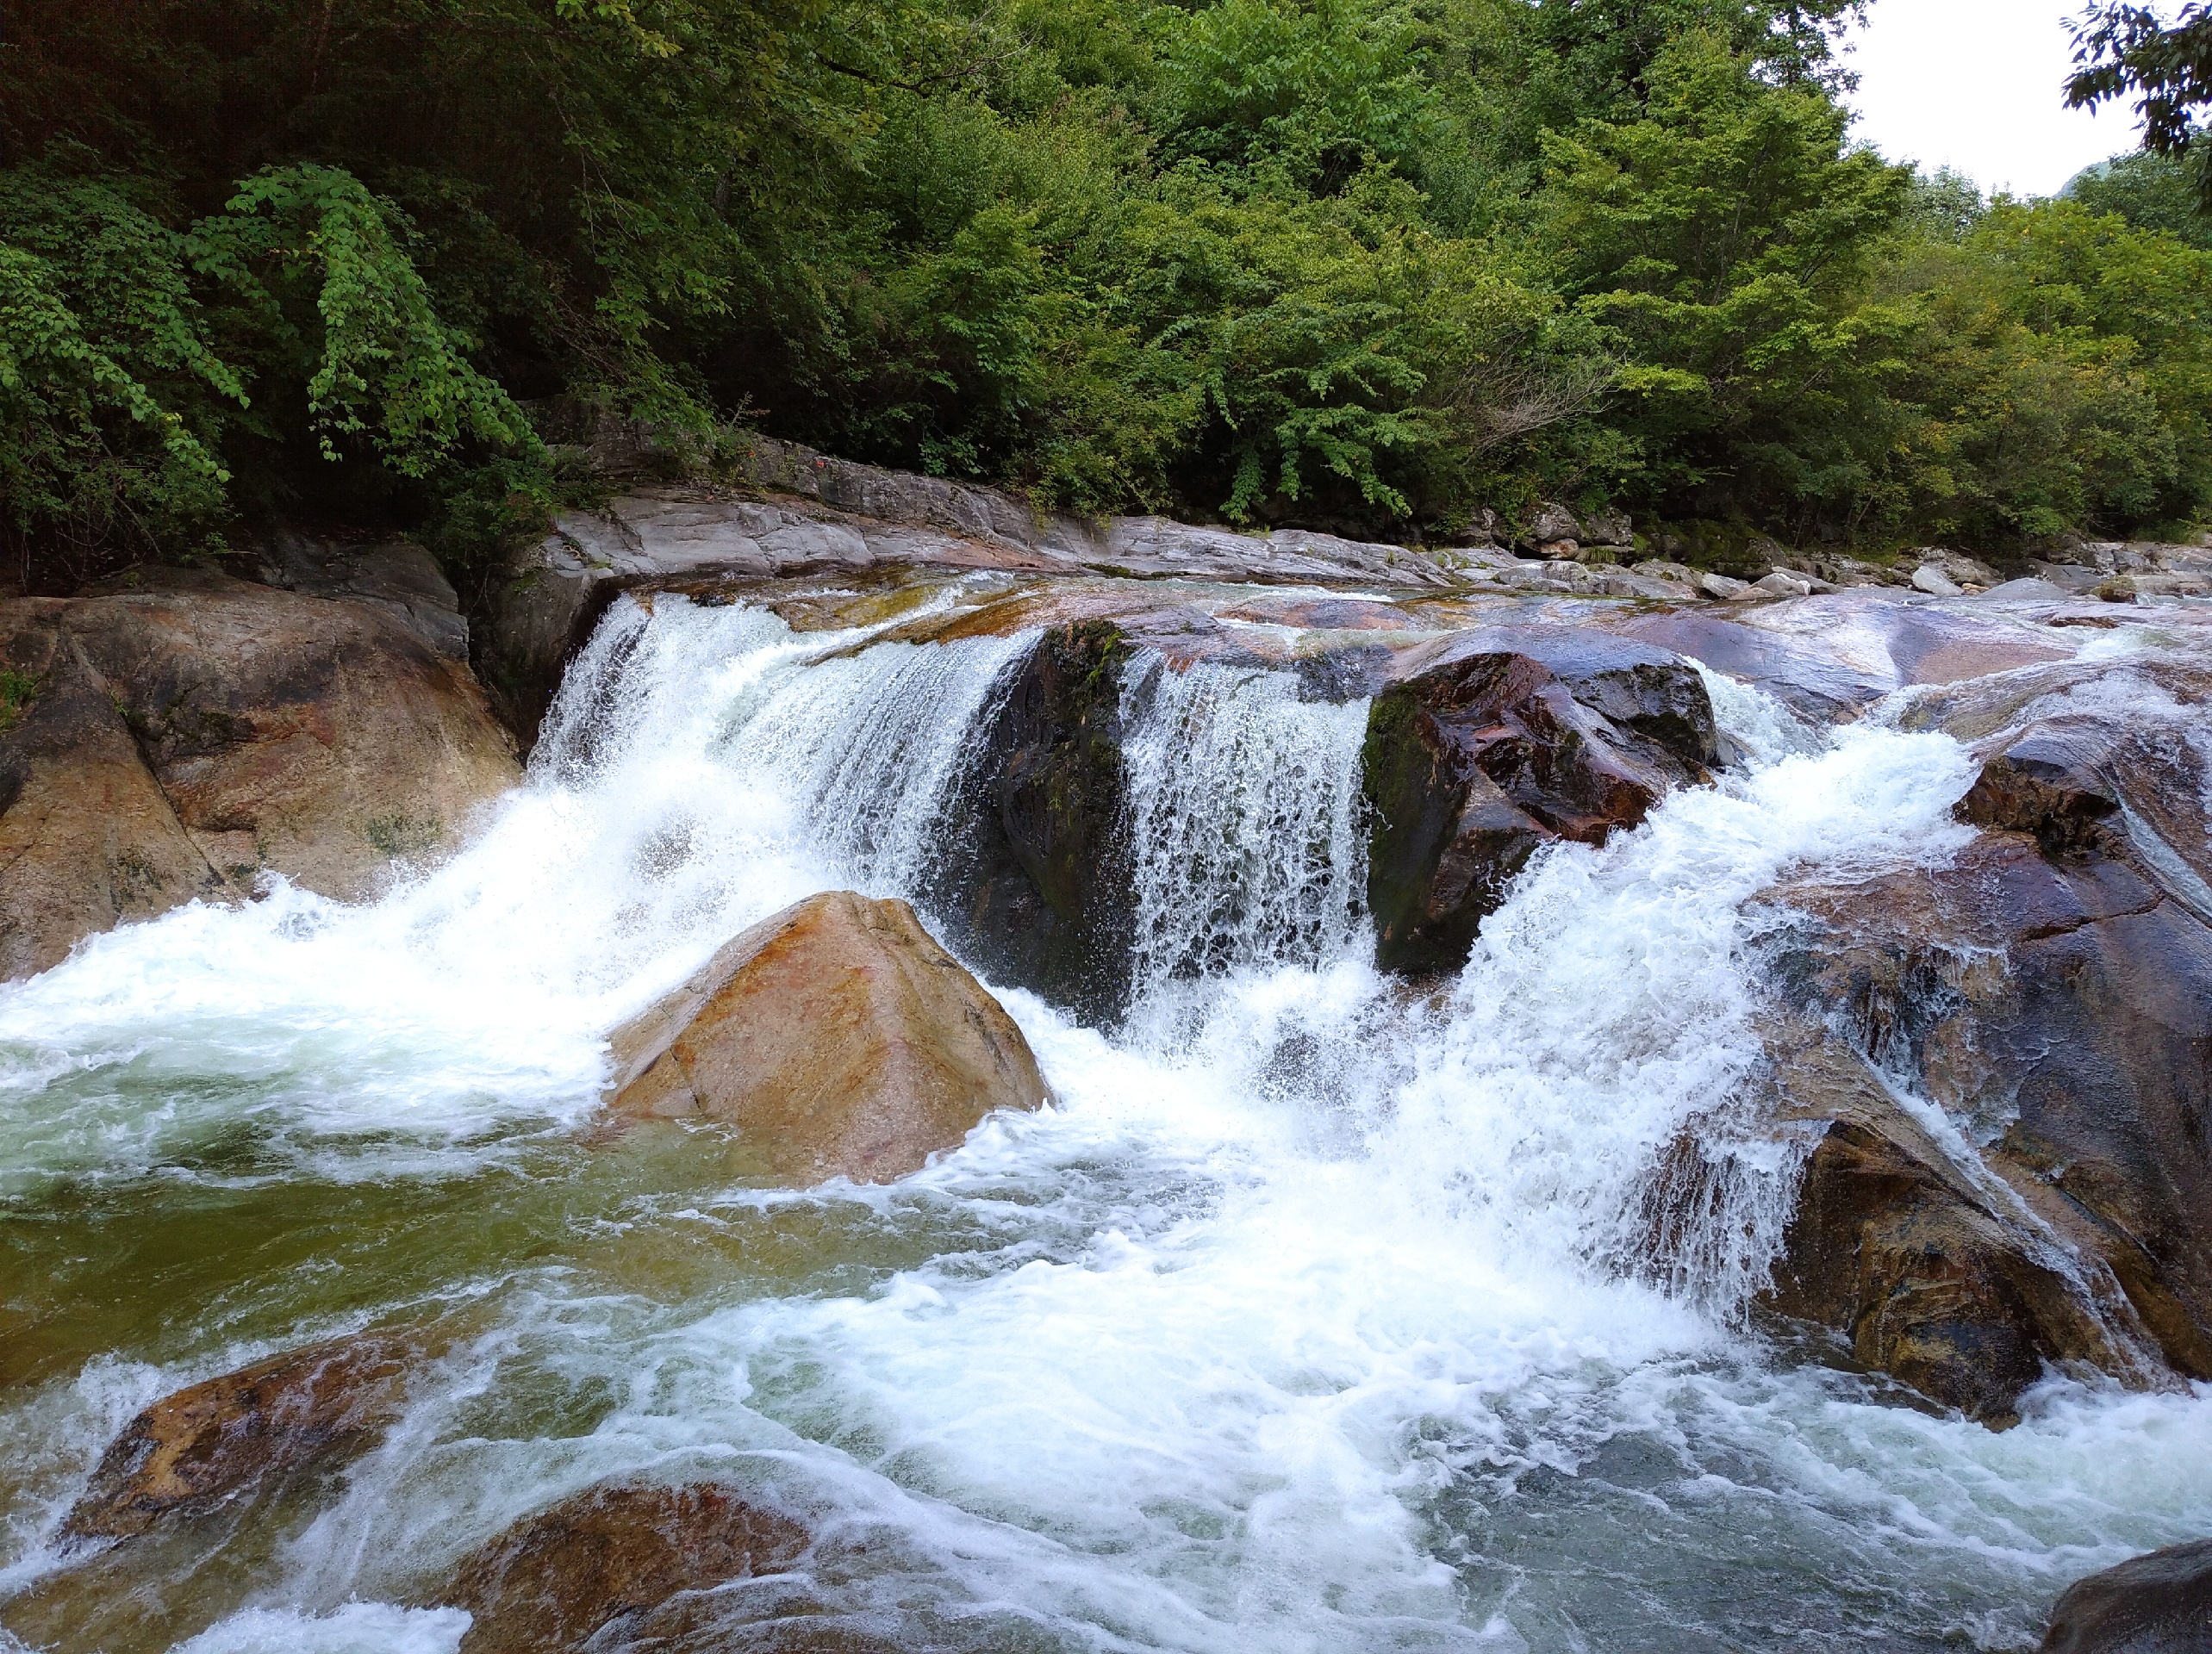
x: 837, y: 1037
x: 184, y: 732
x: 2051, y: 989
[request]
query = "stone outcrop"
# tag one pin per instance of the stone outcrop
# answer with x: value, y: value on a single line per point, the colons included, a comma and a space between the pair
x: 2050, y: 990
x: 825, y: 515
x: 1039, y: 885
x: 598, y: 1564
x: 837, y: 1038
x: 2160, y: 1603
x: 180, y: 731
x: 1504, y: 741
x: 215, y: 1440
x: 1927, y: 1272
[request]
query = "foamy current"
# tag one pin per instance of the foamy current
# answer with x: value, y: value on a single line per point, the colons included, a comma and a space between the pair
x: 1317, y: 1316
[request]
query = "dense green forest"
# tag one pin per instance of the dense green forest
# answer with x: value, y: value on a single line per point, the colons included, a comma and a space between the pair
x: 1350, y: 262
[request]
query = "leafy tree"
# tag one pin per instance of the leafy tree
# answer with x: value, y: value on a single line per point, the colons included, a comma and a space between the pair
x: 1723, y: 237
x: 2150, y: 190
x: 2122, y: 48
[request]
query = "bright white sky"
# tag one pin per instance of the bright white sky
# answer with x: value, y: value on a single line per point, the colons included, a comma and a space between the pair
x: 1974, y: 85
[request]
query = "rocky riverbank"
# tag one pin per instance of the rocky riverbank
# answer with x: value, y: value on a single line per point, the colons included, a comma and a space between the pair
x: 1986, y: 1073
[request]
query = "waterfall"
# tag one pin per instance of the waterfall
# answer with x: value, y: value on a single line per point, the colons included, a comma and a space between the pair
x: 1244, y: 814
x: 1323, y: 1313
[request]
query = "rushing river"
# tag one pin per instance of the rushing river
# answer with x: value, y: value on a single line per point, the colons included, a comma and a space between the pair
x: 1318, y: 1317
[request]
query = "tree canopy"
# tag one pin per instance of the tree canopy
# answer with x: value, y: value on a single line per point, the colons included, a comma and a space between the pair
x: 1374, y: 264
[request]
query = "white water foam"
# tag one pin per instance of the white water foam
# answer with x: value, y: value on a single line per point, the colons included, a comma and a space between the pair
x: 701, y: 768
x: 1304, y: 1324
x: 357, y: 1628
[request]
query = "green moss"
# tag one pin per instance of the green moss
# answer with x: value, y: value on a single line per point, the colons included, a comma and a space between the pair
x: 17, y: 691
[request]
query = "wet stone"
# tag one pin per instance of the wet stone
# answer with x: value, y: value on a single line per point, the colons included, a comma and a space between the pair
x: 2160, y: 1603
x: 215, y: 1441
x: 577, y: 1574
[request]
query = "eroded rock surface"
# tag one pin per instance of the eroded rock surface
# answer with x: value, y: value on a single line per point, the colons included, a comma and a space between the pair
x: 1039, y: 882
x: 1928, y: 1272
x: 2160, y: 1603
x: 214, y: 1440
x: 586, y: 1570
x: 2050, y: 989
x: 1505, y: 741
x: 837, y: 1037
x: 183, y: 730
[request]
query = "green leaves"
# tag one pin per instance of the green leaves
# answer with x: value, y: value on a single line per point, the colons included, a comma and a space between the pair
x: 112, y: 397
x: 383, y: 364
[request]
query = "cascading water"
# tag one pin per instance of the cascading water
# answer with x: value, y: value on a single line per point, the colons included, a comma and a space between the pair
x: 1303, y: 1324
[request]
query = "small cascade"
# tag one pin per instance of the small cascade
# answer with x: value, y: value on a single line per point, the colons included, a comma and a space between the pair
x: 1244, y: 816
x: 1326, y: 1311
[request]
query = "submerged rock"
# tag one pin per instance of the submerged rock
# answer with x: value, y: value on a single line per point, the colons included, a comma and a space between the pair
x: 175, y: 735
x: 215, y: 1441
x: 583, y: 1571
x: 1510, y: 740
x: 839, y: 1038
x: 2160, y: 1603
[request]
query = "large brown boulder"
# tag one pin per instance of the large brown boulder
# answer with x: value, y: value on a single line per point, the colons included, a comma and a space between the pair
x: 1510, y: 740
x: 837, y: 1037
x: 88, y: 839
x: 182, y: 731
x: 2050, y: 989
x: 1927, y: 1273
x: 2160, y: 1603
x: 608, y: 1556
x: 215, y: 1441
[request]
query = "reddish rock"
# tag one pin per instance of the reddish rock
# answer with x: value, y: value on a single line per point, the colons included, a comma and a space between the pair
x: 839, y: 1038
x: 1511, y: 740
x: 2059, y: 1007
x: 610, y: 1556
x: 216, y: 1440
x: 1928, y: 1276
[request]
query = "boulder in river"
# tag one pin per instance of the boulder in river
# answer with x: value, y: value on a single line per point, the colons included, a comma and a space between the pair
x: 837, y: 1037
x: 212, y: 1441
x: 2160, y: 1603
x: 1509, y: 741
x: 578, y: 1573
x: 178, y: 732
x: 1040, y: 887
x: 1927, y: 1273
x: 2050, y: 990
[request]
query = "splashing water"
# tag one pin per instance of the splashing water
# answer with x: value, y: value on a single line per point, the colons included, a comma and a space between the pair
x: 1304, y: 1324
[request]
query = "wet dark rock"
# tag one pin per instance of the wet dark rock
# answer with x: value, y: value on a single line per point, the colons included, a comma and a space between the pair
x: 1927, y: 1275
x: 215, y: 1440
x: 587, y: 1570
x: 1040, y: 889
x: 2160, y: 1603
x: 2060, y: 1008
x: 837, y: 1037
x: 1501, y: 743
x: 2050, y: 783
